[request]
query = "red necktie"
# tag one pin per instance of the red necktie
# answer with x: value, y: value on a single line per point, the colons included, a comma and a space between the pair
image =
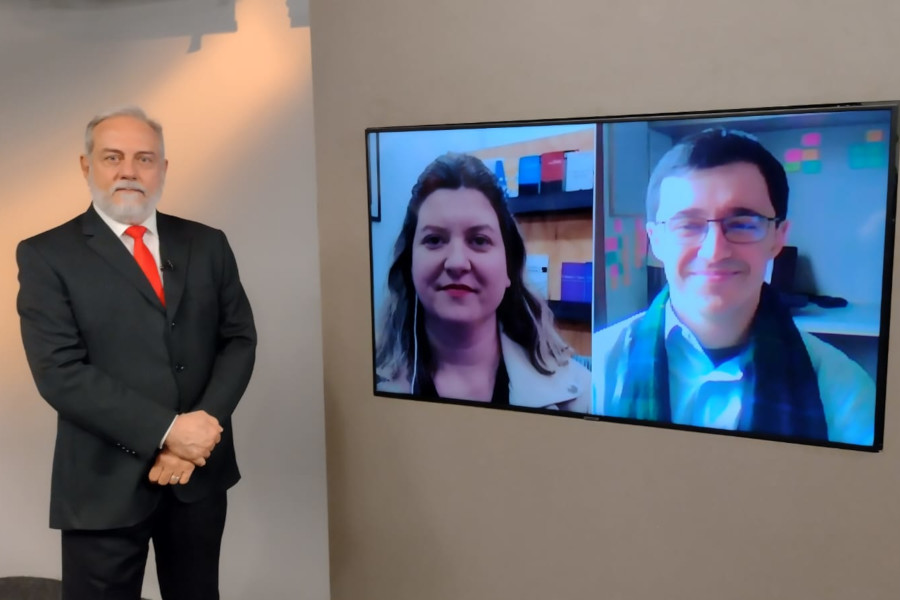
x: 145, y: 260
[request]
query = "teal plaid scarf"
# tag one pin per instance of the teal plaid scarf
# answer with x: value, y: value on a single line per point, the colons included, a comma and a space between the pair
x: 786, y: 399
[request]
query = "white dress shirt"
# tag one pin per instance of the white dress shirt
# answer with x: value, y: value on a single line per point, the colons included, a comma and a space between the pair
x: 151, y: 236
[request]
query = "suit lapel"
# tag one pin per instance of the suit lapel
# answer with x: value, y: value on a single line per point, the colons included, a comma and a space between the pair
x: 174, y: 251
x: 102, y: 240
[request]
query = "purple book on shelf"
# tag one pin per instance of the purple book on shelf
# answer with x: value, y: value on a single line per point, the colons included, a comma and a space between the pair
x: 571, y: 286
x: 575, y: 282
x: 588, y: 274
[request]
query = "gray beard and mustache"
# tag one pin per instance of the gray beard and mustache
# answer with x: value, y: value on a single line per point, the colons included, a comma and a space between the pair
x: 131, y: 207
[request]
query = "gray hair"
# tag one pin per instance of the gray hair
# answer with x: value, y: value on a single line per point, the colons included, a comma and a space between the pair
x: 124, y: 111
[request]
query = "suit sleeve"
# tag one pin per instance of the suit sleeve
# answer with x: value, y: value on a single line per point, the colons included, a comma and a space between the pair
x: 57, y: 355
x: 236, y: 347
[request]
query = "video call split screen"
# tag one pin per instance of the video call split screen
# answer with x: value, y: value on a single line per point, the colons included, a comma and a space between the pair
x: 716, y: 272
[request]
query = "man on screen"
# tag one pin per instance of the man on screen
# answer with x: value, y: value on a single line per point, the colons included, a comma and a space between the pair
x: 716, y: 348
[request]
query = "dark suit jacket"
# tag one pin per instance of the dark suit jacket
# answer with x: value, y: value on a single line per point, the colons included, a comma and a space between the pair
x: 117, y: 366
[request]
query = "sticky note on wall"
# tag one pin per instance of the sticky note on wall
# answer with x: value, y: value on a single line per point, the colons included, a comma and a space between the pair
x: 613, y: 272
x: 640, y: 243
x: 811, y: 139
x: 811, y: 166
x: 868, y: 156
x: 793, y: 155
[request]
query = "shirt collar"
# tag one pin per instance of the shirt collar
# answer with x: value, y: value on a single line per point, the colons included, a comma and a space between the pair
x: 673, y: 324
x: 678, y: 335
x: 119, y: 228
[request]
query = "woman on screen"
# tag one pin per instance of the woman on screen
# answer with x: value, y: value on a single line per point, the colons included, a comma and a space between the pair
x: 459, y: 322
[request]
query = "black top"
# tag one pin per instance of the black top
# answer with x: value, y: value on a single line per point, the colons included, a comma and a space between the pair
x: 501, y: 387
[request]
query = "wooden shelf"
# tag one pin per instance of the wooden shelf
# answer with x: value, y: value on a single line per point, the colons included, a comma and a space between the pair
x: 575, y: 312
x: 580, y: 201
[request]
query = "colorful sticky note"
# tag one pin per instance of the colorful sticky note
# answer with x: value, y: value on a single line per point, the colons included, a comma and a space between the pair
x: 617, y: 225
x: 811, y: 139
x: 640, y: 243
x: 612, y: 258
x: 868, y: 156
x: 811, y: 154
x: 875, y: 149
x: 611, y: 244
x: 811, y: 166
x: 857, y: 156
x: 793, y: 155
x: 876, y: 156
x: 792, y: 167
x: 874, y: 135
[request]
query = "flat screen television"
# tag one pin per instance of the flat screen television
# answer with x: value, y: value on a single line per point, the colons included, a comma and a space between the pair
x: 724, y: 272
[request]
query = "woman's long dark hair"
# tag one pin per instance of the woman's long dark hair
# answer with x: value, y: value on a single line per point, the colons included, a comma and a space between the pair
x: 524, y: 317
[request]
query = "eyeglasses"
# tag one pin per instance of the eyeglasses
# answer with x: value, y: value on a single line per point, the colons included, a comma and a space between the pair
x: 737, y: 229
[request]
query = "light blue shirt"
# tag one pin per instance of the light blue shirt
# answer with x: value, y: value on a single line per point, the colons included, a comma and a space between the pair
x: 707, y: 395
x: 702, y: 393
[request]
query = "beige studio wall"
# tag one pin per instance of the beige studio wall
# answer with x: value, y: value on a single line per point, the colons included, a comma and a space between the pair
x: 445, y: 502
x: 231, y: 83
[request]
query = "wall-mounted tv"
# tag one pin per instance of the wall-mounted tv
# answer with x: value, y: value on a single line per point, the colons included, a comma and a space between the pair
x: 724, y: 272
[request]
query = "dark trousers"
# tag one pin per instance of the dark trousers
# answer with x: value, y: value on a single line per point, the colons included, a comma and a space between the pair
x: 110, y: 564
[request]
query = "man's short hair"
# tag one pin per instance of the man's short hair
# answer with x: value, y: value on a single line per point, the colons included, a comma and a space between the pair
x: 123, y: 111
x: 716, y: 148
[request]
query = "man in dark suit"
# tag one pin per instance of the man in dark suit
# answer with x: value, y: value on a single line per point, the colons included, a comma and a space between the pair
x: 139, y: 334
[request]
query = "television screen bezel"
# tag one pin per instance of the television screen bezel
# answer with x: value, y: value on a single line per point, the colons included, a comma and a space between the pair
x: 888, y: 250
